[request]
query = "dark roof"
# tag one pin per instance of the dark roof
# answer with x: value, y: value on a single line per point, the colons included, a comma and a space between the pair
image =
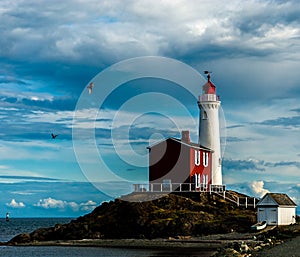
x: 281, y: 199
x: 191, y: 144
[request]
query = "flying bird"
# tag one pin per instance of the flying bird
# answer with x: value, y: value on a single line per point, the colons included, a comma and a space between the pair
x: 53, y: 136
x: 90, y: 87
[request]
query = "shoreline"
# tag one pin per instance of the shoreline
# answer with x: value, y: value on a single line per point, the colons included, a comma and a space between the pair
x: 217, y: 247
x: 210, y: 242
x: 132, y: 243
x: 257, y: 244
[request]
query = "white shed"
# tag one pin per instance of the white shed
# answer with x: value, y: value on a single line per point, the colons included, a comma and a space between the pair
x: 276, y: 209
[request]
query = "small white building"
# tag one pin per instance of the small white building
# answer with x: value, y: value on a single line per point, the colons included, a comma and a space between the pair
x: 276, y: 209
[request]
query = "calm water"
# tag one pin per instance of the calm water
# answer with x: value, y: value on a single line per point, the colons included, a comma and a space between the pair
x: 23, y: 225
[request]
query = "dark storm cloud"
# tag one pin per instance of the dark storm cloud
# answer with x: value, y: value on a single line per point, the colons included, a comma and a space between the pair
x: 20, y: 123
x: 283, y: 164
x: 248, y: 32
x: 65, y: 44
x: 254, y: 23
x: 103, y: 133
x: 38, y: 41
x: 258, y: 165
x: 29, y: 132
x: 235, y: 126
x: 69, y: 42
x: 50, y: 50
x: 286, y: 122
x: 238, y: 139
x: 297, y: 110
x: 231, y: 164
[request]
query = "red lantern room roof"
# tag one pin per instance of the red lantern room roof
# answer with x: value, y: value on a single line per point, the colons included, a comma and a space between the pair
x: 209, y: 87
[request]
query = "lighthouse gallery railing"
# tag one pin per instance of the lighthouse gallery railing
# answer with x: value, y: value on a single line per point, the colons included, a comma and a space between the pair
x: 208, y: 97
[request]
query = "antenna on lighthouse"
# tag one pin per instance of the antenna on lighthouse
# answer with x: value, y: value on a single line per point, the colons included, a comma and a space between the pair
x: 208, y: 74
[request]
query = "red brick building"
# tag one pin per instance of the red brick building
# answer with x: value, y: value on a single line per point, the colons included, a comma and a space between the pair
x: 180, y: 164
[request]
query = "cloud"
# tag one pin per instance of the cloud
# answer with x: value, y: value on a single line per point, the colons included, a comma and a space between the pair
x: 256, y: 164
x: 238, y: 139
x: 24, y: 178
x: 14, y: 204
x: 31, y: 124
x: 250, y: 164
x: 10, y: 79
x: 286, y: 122
x: 22, y: 175
x: 51, y: 203
x: 142, y: 28
x: 252, y: 48
x: 88, y: 206
x: 258, y: 189
x: 283, y: 164
x: 235, y: 126
x: 297, y: 110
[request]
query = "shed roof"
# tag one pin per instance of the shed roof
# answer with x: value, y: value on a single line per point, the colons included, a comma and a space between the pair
x: 279, y: 198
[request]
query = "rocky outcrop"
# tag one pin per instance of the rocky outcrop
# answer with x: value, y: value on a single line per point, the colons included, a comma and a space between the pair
x: 167, y: 216
x: 262, y: 240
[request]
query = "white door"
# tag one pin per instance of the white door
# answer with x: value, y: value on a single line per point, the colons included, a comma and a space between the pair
x: 272, y: 216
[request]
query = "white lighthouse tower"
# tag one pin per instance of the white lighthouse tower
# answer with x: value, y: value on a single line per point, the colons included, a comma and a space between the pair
x: 209, y: 132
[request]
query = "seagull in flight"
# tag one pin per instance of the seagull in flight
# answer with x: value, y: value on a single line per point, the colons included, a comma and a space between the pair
x: 53, y: 136
x: 90, y: 87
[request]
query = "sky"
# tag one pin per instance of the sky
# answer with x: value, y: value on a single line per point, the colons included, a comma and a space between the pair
x: 136, y: 52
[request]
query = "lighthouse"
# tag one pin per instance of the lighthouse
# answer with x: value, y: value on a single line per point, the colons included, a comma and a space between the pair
x: 177, y: 164
x: 209, y: 132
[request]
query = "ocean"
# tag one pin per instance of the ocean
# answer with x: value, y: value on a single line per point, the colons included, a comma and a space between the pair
x: 24, y: 225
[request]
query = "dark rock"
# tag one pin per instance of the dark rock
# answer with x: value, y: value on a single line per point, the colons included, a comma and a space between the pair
x: 168, y: 216
x: 21, y: 239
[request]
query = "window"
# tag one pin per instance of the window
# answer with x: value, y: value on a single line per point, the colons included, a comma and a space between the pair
x: 204, y: 116
x: 197, y: 157
x: 197, y: 180
x: 205, y: 159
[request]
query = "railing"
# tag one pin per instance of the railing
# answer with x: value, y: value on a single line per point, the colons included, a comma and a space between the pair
x: 177, y: 187
x: 247, y: 202
x: 239, y: 201
x: 208, y: 97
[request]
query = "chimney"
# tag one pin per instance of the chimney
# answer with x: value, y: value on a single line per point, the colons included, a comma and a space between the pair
x: 185, y: 136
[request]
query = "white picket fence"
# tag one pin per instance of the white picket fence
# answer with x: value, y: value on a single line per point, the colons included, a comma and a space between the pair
x: 177, y: 187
